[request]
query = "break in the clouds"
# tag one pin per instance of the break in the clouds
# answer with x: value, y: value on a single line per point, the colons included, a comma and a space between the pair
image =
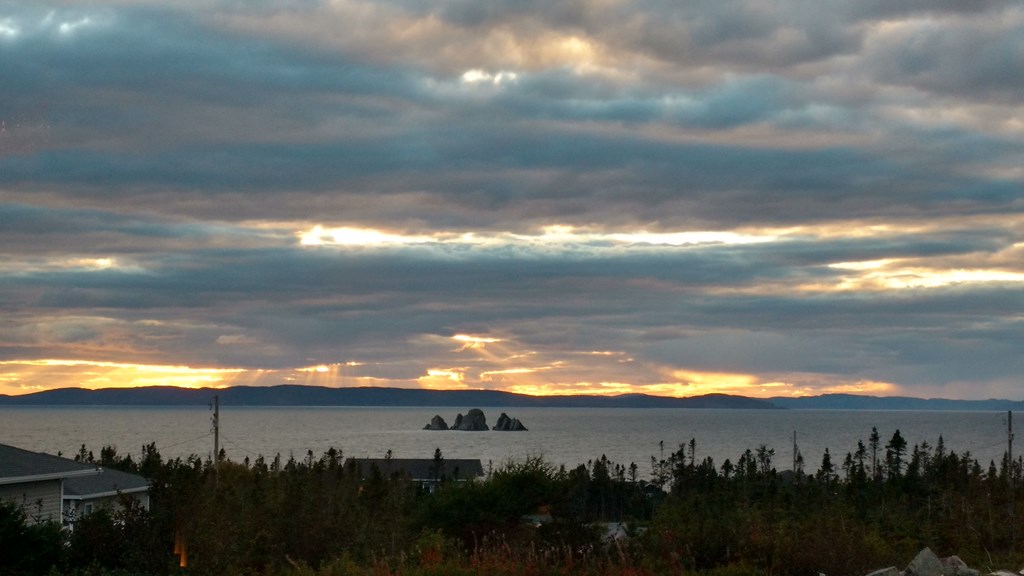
x: 574, y: 197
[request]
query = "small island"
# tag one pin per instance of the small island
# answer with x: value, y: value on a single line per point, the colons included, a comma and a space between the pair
x: 476, y: 421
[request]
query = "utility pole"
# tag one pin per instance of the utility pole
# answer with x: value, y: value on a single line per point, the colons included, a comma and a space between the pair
x: 216, y: 439
x: 1009, y: 474
x: 795, y: 451
x: 216, y: 429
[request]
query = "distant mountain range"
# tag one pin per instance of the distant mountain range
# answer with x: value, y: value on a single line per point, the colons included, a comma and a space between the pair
x: 290, y: 395
x: 854, y: 402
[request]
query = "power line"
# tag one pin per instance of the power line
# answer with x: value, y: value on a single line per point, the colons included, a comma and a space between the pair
x: 239, y: 446
x: 207, y: 435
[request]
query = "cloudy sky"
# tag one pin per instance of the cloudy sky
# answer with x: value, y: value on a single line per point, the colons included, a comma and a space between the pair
x: 583, y: 196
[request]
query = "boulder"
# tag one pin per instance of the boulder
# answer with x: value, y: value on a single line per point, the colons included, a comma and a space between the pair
x: 890, y: 571
x: 436, y: 423
x: 926, y: 563
x: 506, y: 424
x: 474, y: 421
x: 954, y: 566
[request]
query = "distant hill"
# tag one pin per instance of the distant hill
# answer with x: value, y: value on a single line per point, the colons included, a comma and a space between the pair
x: 854, y: 402
x: 290, y: 395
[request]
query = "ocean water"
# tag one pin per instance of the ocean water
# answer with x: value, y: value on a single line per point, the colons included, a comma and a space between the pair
x: 566, y: 436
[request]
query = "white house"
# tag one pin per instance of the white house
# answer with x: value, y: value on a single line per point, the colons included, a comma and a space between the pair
x: 35, y: 481
x: 48, y: 487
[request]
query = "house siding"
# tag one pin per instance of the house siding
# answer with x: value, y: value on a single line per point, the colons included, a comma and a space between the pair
x: 75, y: 509
x: 41, y: 501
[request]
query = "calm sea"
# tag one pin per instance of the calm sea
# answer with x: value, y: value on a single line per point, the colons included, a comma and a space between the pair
x: 559, y: 435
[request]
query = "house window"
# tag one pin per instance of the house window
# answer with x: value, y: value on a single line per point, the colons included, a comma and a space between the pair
x: 88, y: 509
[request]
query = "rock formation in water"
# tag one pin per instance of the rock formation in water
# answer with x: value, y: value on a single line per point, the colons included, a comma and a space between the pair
x: 474, y: 421
x: 436, y: 423
x: 506, y: 424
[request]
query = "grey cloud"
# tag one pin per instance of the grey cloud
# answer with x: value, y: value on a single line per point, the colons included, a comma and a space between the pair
x: 83, y: 233
x: 563, y: 95
x: 765, y: 352
x: 188, y: 141
x: 979, y: 60
x: 739, y: 33
x: 469, y: 152
x: 378, y: 281
x: 880, y: 9
x: 156, y: 79
x: 886, y: 339
x: 653, y: 182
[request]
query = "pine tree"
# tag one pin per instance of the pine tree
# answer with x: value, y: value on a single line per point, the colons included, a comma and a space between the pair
x: 895, y: 450
x: 874, y: 441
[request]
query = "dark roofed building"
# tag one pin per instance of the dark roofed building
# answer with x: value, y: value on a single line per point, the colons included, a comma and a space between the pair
x: 422, y: 470
x: 84, y: 494
x: 49, y: 487
x: 35, y: 481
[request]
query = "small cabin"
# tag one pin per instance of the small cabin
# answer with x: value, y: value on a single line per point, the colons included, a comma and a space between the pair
x: 426, y: 472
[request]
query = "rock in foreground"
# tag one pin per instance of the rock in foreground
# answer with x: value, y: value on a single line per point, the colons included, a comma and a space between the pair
x: 927, y: 563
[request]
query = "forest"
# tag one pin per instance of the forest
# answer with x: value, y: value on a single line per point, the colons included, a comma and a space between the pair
x: 875, y: 506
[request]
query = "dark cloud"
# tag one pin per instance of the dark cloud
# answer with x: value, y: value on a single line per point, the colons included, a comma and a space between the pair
x: 879, y: 9
x: 982, y: 60
x: 159, y: 164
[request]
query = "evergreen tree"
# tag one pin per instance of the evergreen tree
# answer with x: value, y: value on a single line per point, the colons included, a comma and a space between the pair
x: 874, y: 441
x: 827, y: 472
x: 895, y: 450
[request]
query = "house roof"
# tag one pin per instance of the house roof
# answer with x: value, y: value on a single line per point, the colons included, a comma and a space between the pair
x: 420, y: 468
x: 107, y: 483
x: 18, y: 465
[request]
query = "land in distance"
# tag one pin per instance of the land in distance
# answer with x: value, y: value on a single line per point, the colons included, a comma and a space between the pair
x: 296, y: 395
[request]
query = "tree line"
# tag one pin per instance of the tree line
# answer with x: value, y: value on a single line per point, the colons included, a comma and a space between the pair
x: 876, y: 506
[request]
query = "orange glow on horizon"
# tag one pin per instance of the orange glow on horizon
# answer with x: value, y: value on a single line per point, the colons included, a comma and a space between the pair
x: 23, y: 376
x: 443, y: 379
x: 19, y: 377
x: 554, y: 379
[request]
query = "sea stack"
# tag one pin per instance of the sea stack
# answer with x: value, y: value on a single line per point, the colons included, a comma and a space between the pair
x: 436, y: 423
x: 474, y: 421
x: 506, y: 424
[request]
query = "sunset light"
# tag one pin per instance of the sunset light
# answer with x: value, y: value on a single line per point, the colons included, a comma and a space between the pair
x: 479, y: 76
x: 29, y: 374
x: 474, y: 339
x: 477, y: 286
x: 442, y: 379
x: 607, y: 198
x: 321, y: 369
x: 890, y: 275
x: 319, y: 236
x: 557, y: 237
